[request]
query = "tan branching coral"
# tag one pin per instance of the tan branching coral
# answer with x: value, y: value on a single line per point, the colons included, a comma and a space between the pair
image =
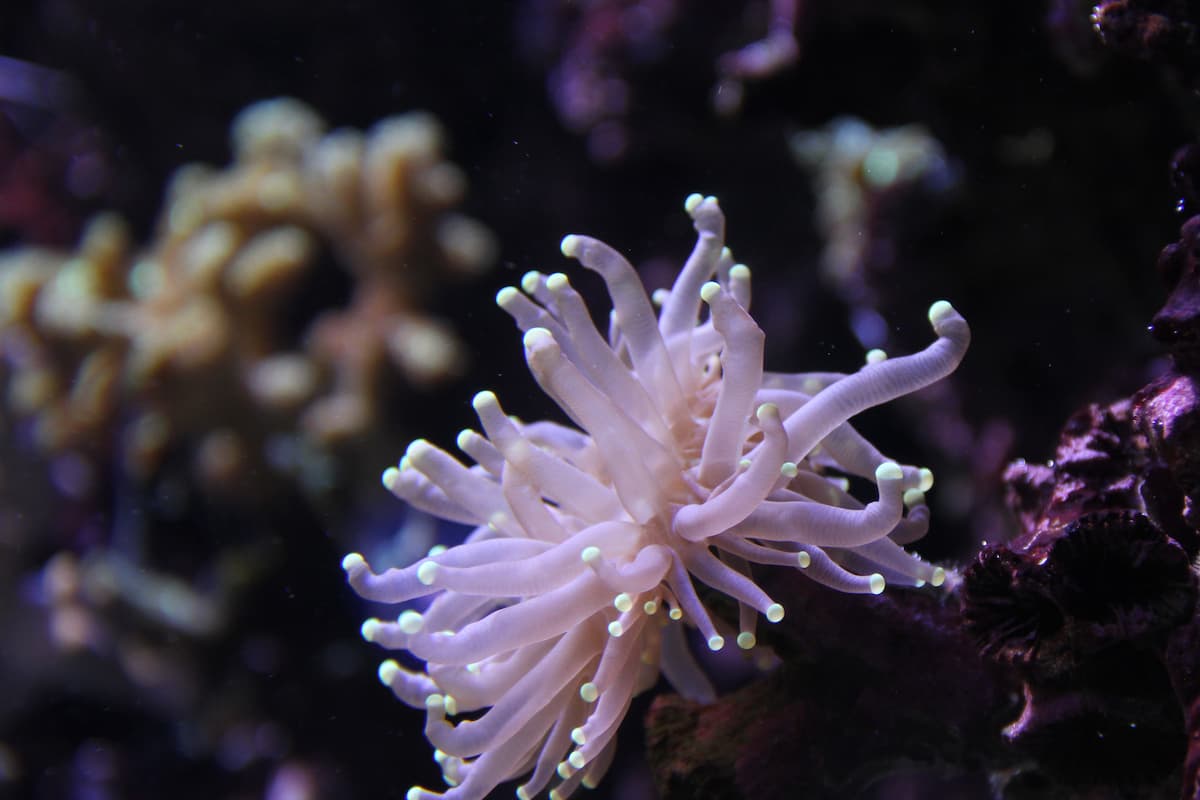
x: 108, y: 334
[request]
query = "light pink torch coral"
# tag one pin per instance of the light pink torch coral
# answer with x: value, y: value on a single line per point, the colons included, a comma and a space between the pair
x: 688, y: 462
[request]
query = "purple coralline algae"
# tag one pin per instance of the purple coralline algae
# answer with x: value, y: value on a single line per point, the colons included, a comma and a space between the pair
x: 1093, y: 603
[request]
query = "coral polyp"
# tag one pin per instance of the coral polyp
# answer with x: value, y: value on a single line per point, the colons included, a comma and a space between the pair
x: 686, y: 462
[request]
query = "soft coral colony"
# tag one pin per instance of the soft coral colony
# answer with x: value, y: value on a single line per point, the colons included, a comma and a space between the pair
x: 688, y: 461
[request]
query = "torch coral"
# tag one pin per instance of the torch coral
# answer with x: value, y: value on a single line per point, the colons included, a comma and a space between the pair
x: 689, y: 462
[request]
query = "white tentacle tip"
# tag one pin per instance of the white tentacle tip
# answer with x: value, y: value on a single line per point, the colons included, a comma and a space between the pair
x: 577, y: 759
x: 557, y: 282
x: 370, y: 629
x: 531, y: 280
x: 889, y: 471
x: 938, y: 577
x: 746, y: 640
x: 774, y: 612
x: 739, y: 272
x: 926, y: 478
x: 877, y: 583
x: 616, y: 629
x: 410, y: 622
x: 388, y: 671
x: 716, y: 643
x: 484, y: 399
x: 505, y: 296
x: 578, y: 736
x: 417, y: 448
x: 692, y: 202
x: 767, y: 411
x: 427, y: 573
x: 570, y: 245
x: 940, y: 312
x: 588, y: 692
x: 803, y: 559
x: 589, y: 555
x: 913, y: 498
x: 709, y: 291
x: 538, y: 338
x: 354, y: 562
x: 390, y: 478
